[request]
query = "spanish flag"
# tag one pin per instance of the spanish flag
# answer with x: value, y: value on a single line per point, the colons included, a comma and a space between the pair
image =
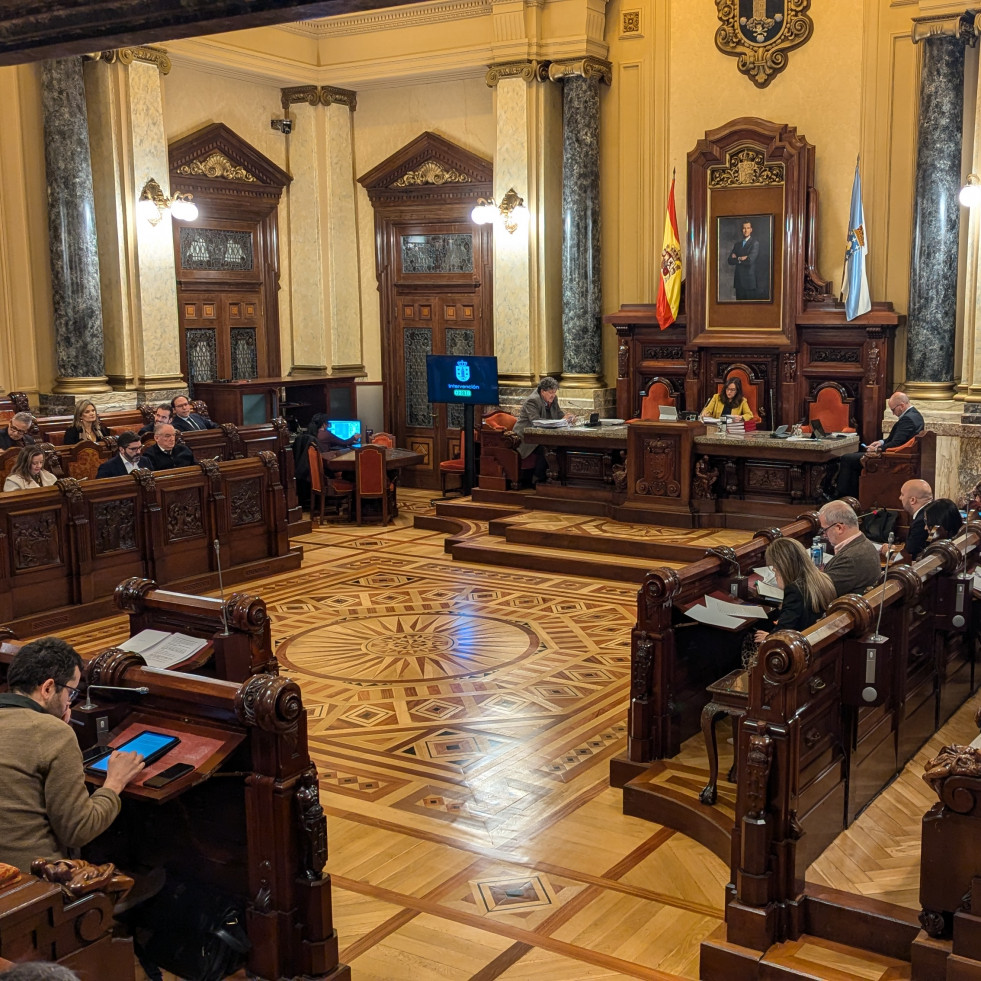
x: 669, y: 287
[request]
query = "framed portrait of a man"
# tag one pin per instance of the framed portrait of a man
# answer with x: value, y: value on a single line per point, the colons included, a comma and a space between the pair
x: 744, y: 246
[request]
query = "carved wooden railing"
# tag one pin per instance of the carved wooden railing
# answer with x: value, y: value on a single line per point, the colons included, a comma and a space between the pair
x: 807, y: 761
x: 64, y: 549
x: 669, y: 669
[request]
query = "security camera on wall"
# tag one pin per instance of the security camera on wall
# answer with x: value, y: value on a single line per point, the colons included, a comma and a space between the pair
x: 285, y: 126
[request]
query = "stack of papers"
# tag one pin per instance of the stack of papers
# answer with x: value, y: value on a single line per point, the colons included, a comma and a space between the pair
x: 720, y: 613
x: 550, y: 423
x: 767, y: 586
x: 161, y: 649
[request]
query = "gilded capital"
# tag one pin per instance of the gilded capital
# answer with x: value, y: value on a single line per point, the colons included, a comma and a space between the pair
x: 528, y: 71
x: 126, y: 56
x: 309, y: 94
x: 962, y: 26
x: 586, y: 67
x: 331, y: 96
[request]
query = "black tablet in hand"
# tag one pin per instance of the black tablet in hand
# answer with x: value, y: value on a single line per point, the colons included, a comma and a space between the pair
x: 149, y: 744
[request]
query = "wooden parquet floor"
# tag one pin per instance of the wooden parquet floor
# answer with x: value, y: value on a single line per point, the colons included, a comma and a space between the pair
x: 462, y: 718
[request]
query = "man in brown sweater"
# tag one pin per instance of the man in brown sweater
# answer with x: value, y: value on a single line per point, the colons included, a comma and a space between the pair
x: 45, y: 808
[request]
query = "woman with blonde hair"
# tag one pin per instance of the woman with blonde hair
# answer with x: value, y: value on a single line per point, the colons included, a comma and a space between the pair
x: 86, y: 424
x: 807, y: 592
x: 29, y: 472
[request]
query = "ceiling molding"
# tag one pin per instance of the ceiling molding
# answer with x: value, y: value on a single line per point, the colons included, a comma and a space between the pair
x: 371, y: 21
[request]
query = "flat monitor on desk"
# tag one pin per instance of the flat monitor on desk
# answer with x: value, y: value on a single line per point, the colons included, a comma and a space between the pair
x: 345, y: 429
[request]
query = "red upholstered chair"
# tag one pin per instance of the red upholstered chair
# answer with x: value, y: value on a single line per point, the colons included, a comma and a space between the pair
x: 831, y: 406
x: 370, y: 479
x: 500, y: 464
x: 659, y: 392
x: 338, y: 492
x: 752, y: 387
x: 453, y: 467
x: 383, y: 439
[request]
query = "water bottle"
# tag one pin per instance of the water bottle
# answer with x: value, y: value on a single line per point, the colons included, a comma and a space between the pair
x: 817, y: 551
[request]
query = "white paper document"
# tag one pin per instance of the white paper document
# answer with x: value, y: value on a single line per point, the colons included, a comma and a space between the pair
x: 768, y: 590
x: 550, y: 423
x: 667, y: 413
x: 713, y: 618
x: 161, y: 649
x: 742, y: 610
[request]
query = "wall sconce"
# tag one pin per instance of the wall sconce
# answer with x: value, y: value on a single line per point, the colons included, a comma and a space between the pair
x: 153, y: 203
x: 970, y: 195
x: 511, y: 212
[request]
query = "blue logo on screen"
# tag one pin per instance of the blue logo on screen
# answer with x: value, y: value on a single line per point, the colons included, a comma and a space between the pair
x: 462, y: 371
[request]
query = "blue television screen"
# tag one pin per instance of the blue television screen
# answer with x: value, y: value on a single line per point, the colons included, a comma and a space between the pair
x: 462, y: 378
x: 345, y: 429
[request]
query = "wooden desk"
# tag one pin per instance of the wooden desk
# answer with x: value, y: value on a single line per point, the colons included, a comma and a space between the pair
x: 395, y: 459
x: 256, y: 400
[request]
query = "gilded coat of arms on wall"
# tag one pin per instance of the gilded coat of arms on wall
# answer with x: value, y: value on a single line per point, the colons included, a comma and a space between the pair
x: 761, y: 32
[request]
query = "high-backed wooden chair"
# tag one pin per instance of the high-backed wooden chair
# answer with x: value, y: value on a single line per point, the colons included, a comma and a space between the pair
x: 882, y: 476
x: 82, y: 460
x: 753, y: 387
x: 831, y: 406
x: 383, y: 439
x: 328, y: 489
x: 370, y: 479
x: 659, y: 392
x: 500, y: 465
x: 454, y: 467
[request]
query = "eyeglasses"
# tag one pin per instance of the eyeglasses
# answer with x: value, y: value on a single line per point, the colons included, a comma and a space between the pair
x: 73, y: 693
x: 11, y: 428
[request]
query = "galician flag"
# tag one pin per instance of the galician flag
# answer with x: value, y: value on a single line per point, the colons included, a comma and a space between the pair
x: 855, y: 282
x: 669, y: 286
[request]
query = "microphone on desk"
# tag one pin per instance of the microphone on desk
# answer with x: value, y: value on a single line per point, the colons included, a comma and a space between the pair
x: 89, y: 704
x: 877, y: 636
x: 221, y: 588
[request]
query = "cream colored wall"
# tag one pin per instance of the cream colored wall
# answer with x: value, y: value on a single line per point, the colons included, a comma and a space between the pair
x: 851, y: 88
x: 386, y: 120
x: 27, y: 359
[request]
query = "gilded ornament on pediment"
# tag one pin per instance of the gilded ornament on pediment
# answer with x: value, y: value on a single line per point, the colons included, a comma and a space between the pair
x: 525, y: 70
x: 745, y: 168
x: 216, y: 165
x: 759, y: 33
x: 432, y: 172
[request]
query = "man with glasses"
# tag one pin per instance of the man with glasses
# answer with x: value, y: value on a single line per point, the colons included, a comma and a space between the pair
x: 45, y: 808
x: 187, y: 421
x: 126, y: 460
x: 166, y: 454
x: 855, y: 565
x: 18, y: 431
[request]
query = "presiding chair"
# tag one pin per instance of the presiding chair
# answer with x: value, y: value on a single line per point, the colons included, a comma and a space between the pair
x: 327, y: 488
x: 753, y: 387
x: 659, y: 392
x: 831, y: 406
x: 371, y: 479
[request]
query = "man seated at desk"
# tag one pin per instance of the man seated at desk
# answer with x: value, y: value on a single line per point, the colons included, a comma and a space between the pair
x: 45, y: 808
x: 908, y: 423
x: 18, y: 431
x: 165, y: 454
x: 126, y: 460
x: 187, y: 421
x: 855, y: 565
x: 161, y: 416
x: 543, y: 404
x: 729, y: 402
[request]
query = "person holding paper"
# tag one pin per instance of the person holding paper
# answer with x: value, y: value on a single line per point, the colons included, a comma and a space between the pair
x: 543, y: 404
x: 729, y: 402
x: 807, y: 592
x: 45, y: 808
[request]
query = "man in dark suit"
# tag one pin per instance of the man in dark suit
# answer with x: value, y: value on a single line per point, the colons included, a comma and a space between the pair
x: 914, y: 496
x: 908, y: 423
x: 187, y: 421
x: 18, y: 431
x: 161, y: 414
x: 126, y: 460
x: 744, y: 255
x: 167, y: 454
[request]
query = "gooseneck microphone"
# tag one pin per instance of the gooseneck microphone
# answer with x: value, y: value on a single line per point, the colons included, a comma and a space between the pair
x: 221, y: 588
x: 877, y: 636
x: 89, y: 704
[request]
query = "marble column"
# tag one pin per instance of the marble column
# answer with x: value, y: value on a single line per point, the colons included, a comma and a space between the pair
x: 581, y: 288
x: 139, y: 279
x: 323, y: 234
x: 932, y: 308
x: 71, y: 228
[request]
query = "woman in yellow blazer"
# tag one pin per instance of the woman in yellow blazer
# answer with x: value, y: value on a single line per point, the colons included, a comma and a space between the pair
x: 729, y: 402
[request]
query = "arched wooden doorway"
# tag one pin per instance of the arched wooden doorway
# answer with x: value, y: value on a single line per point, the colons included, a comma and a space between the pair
x: 228, y: 260
x: 434, y: 268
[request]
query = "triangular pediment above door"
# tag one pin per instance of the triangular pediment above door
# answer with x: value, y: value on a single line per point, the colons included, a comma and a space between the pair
x: 429, y: 166
x: 215, y: 155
